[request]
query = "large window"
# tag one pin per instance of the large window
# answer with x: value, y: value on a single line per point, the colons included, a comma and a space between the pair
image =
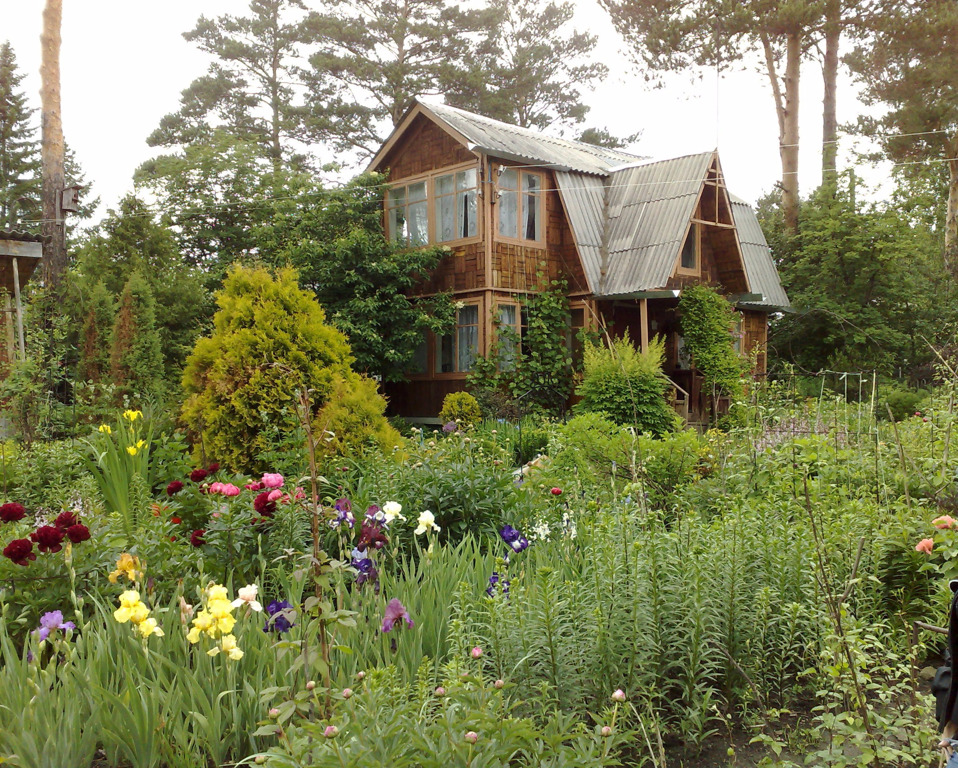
x: 456, y: 351
x: 440, y: 208
x: 520, y: 205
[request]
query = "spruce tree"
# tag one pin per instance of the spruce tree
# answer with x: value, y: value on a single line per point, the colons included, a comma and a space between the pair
x: 94, y: 347
x: 136, y: 364
x: 19, y: 158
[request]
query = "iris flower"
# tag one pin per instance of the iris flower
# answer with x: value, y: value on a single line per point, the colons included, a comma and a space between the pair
x: 513, y: 538
x: 395, y: 613
x: 51, y: 622
x: 278, y: 613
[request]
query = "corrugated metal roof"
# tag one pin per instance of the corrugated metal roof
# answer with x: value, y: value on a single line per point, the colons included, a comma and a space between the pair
x: 761, y: 271
x: 21, y: 237
x: 513, y: 143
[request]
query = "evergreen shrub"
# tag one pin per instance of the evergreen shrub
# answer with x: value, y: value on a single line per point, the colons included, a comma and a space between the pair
x: 460, y: 407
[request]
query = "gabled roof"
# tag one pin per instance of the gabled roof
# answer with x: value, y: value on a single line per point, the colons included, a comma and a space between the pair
x: 762, y: 274
x: 510, y: 142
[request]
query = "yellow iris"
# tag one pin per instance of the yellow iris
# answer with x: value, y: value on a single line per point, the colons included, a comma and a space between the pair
x: 132, y: 415
x: 105, y: 429
x: 129, y: 602
x: 126, y: 565
x: 149, y: 627
x: 131, y: 449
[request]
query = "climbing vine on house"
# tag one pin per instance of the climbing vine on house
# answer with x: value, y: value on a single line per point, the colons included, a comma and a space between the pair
x: 707, y: 320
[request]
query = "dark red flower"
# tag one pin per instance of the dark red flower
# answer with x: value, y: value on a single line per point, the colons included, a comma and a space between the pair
x: 77, y: 533
x: 198, y: 475
x: 11, y: 512
x: 556, y: 491
x: 175, y: 487
x: 196, y: 538
x: 214, y: 467
x: 66, y: 519
x: 254, y: 486
x: 20, y: 551
x: 175, y: 520
x: 371, y: 535
x: 263, y: 505
x: 48, y: 538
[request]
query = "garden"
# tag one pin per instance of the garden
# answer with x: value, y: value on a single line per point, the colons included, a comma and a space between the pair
x: 271, y: 573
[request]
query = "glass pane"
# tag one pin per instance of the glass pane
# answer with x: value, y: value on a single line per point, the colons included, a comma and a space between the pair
x: 466, y: 179
x: 396, y: 221
x: 397, y: 196
x: 417, y: 191
x: 468, y: 341
x: 444, y: 185
x: 530, y: 182
x: 688, y: 250
x: 444, y: 349
x: 469, y: 315
x: 420, y: 358
x: 530, y: 218
x: 507, y: 343
x: 507, y: 315
x: 508, y: 215
x: 509, y: 179
x: 418, y: 223
x: 446, y: 218
x: 468, y: 215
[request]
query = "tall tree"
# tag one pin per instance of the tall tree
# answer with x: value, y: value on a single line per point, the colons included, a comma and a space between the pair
x: 19, y: 156
x: 250, y: 89
x: 52, y: 147
x: 911, y: 68
x: 531, y: 67
x: 383, y: 54
x: 136, y: 363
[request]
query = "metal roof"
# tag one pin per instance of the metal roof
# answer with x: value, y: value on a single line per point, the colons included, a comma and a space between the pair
x: 511, y: 142
x: 761, y: 271
x: 21, y: 237
x: 27, y: 249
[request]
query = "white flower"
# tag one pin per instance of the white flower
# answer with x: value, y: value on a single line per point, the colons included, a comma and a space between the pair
x: 541, y: 530
x: 427, y: 521
x: 392, y: 509
x: 247, y: 596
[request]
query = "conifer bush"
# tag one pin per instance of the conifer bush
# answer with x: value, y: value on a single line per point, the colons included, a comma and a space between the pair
x: 460, y: 407
x: 136, y: 363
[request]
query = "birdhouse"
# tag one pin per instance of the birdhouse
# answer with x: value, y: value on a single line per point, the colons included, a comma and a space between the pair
x: 70, y: 198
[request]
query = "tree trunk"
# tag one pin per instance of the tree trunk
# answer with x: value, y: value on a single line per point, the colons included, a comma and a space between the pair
x: 52, y: 151
x: 951, y: 216
x: 830, y: 101
x: 789, y: 135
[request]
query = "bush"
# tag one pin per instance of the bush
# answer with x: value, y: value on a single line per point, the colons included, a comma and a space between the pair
x: 353, y: 419
x: 902, y: 401
x: 627, y: 384
x: 460, y: 407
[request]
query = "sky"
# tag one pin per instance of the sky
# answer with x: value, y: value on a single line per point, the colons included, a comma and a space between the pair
x: 124, y: 63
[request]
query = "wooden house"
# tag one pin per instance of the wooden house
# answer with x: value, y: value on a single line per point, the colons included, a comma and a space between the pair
x: 516, y: 207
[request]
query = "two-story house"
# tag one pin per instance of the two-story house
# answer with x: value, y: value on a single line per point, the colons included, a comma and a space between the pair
x: 517, y: 208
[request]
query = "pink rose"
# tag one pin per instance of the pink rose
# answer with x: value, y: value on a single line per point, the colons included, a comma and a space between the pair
x: 272, y: 480
x: 944, y: 522
x: 274, y: 495
x: 925, y: 545
x: 229, y: 489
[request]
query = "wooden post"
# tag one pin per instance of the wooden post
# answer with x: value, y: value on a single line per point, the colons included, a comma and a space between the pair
x: 16, y: 293
x: 8, y: 327
x: 644, y: 323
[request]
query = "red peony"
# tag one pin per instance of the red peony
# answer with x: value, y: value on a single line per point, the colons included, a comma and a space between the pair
x: 198, y: 475
x: 20, y: 551
x: 175, y: 520
x: 196, y: 538
x: 213, y: 468
x: 77, y: 533
x: 556, y: 491
x: 263, y: 505
x: 175, y: 487
x: 65, y: 520
x: 48, y: 538
x: 11, y: 512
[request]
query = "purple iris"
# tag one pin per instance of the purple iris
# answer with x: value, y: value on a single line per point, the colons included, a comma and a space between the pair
x: 513, y: 538
x: 375, y: 514
x: 50, y: 622
x: 343, y: 514
x: 278, y: 620
x: 496, y: 583
x: 395, y: 613
x: 366, y: 567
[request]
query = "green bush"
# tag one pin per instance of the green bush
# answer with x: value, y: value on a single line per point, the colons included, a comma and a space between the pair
x: 353, y: 420
x: 460, y: 407
x: 627, y: 384
x: 136, y: 361
x: 902, y: 401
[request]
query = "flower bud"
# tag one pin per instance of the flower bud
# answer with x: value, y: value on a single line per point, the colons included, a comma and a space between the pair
x: 471, y: 736
x: 476, y: 652
x: 360, y: 675
x: 259, y: 759
x: 274, y: 713
x: 618, y: 695
x: 606, y: 730
x: 331, y: 731
x: 311, y: 685
x: 347, y: 692
x: 440, y: 691
x: 498, y: 684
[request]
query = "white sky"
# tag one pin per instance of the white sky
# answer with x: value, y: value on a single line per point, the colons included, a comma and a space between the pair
x: 124, y: 63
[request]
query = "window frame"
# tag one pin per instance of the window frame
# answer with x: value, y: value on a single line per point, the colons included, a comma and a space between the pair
x: 696, y: 229
x: 433, y: 347
x: 520, y: 202
x: 432, y: 198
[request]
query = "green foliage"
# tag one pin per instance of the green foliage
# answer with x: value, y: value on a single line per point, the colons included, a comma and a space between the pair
x: 19, y: 153
x: 534, y: 372
x: 270, y: 344
x: 94, y: 348
x: 364, y: 282
x: 902, y: 401
x: 706, y: 327
x: 352, y: 419
x: 460, y: 407
x: 627, y: 385
x: 136, y: 362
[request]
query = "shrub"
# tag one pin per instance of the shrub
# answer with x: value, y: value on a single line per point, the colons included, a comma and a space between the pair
x: 902, y: 401
x: 353, y: 419
x: 136, y: 362
x: 627, y: 384
x: 460, y: 407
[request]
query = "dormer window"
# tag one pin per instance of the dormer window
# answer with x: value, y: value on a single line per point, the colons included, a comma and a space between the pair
x: 691, y: 250
x: 520, y: 205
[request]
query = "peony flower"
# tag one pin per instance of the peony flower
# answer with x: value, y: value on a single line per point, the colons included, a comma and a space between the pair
x: 944, y: 522
x: 274, y: 495
x: 196, y: 538
x: 347, y: 693
x: 606, y: 730
x: 198, y: 475
x: 556, y: 491
x: 50, y: 622
x: 255, y: 486
x: 65, y: 520
x: 11, y: 512
x: 273, y: 480
x: 216, y: 487
x: 471, y: 737
x: 618, y: 695
x: 213, y: 468
x: 20, y: 551
x: 395, y: 613
x: 427, y: 521
x: 392, y: 510
x: 229, y: 489
x: 173, y: 488
x: 499, y: 684
x: 331, y: 731
x: 476, y: 652
x: 77, y: 533
x: 48, y: 538
x: 263, y: 505
x: 440, y: 691
x: 925, y: 545
x: 247, y: 596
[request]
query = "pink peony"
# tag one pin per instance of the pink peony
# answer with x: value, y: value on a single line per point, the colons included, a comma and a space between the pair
x: 257, y: 486
x: 476, y: 652
x: 217, y: 487
x: 471, y: 737
x: 274, y: 495
x: 229, y: 489
x: 944, y: 522
x: 925, y: 545
x: 272, y: 480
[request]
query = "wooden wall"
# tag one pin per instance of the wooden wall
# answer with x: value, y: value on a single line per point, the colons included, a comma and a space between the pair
x: 424, y: 148
x: 755, y: 329
x: 420, y: 398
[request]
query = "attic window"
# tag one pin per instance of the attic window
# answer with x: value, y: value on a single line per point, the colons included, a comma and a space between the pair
x: 689, y: 261
x: 520, y: 205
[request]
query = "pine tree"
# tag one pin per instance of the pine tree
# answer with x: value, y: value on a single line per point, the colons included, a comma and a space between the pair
x: 94, y: 362
x: 19, y: 158
x: 136, y: 364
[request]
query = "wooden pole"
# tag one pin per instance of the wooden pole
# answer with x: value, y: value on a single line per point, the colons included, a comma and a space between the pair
x: 644, y: 323
x: 8, y: 326
x: 51, y: 146
x: 16, y: 293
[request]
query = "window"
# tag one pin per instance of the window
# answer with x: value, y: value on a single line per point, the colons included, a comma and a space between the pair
x: 456, y: 212
x: 738, y: 333
x: 456, y: 352
x: 520, y: 205
x: 508, y: 318
x: 420, y: 360
x: 407, y: 214
x: 690, y: 250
